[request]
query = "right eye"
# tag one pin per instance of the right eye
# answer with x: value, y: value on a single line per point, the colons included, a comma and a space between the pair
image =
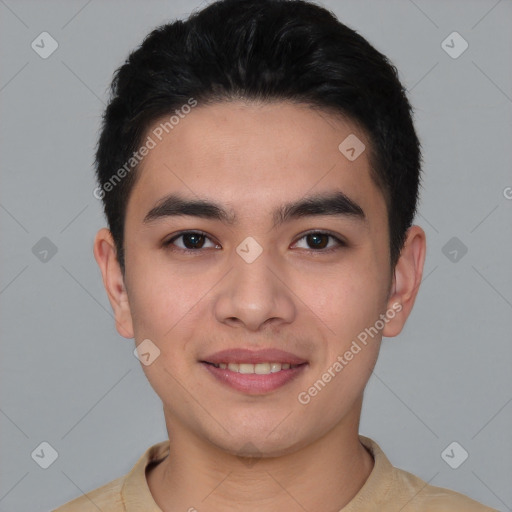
x: 190, y: 241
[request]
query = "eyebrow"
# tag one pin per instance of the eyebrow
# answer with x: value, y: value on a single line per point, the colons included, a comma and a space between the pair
x: 332, y: 204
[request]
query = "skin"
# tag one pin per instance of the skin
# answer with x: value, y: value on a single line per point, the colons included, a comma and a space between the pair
x: 251, y: 158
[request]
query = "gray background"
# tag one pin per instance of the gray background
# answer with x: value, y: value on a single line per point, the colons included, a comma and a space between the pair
x: 69, y: 379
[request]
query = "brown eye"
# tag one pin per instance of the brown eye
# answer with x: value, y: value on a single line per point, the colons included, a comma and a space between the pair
x: 318, y: 241
x: 191, y: 241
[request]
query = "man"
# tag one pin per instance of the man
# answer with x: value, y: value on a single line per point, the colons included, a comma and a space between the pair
x: 259, y: 171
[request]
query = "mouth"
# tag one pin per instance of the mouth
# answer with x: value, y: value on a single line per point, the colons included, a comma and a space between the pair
x: 254, y: 372
x: 257, y: 369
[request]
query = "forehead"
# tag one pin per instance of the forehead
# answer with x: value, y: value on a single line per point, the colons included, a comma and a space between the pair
x: 249, y: 155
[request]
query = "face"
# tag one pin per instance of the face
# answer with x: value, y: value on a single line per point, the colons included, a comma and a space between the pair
x: 277, y: 251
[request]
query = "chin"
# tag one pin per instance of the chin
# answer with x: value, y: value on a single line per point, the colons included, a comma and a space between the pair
x: 256, y: 442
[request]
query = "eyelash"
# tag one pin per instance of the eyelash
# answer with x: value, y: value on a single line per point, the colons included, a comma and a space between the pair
x: 169, y: 243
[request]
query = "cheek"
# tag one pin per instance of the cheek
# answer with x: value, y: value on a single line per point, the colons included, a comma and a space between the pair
x: 348, y: 303
x: 162, y: 309
x: 346, y: 299
x: 157, y: 309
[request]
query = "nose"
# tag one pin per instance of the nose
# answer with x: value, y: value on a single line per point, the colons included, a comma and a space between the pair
x: 254, y: 295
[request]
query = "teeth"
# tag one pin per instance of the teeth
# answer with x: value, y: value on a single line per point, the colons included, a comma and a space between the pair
x: 275, y: 367
x: 245, y: 368
x: 258, y: 369
x: 262, y: 368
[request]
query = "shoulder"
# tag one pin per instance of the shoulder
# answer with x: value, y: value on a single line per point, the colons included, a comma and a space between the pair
x: 389, y: 488
x: 129, y: 492
x: 419, y: 496
x: 107, y: 497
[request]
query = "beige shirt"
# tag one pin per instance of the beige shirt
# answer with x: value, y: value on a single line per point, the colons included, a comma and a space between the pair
x: 387, y: 489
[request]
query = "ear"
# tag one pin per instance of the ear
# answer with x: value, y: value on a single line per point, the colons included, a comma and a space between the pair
x: 406, y: 280
x: 113, y: 280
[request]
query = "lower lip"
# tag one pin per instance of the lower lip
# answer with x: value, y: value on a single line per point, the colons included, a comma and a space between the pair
x: 252, y: 383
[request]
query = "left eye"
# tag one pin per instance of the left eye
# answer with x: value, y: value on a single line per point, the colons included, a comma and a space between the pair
x: 320, y: 241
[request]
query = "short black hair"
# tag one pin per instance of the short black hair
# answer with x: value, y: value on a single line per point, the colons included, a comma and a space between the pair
x: 261, y: 50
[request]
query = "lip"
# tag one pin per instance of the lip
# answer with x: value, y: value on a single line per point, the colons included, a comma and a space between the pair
x: 242, y: 355
x: 252, y: 383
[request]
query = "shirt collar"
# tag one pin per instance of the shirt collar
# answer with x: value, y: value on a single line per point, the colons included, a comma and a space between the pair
x: 374, y: 493
x: 136, y: 495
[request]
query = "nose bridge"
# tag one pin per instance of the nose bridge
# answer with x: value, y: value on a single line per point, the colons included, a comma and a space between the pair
x: 252, y: 294
x: 253, y: 278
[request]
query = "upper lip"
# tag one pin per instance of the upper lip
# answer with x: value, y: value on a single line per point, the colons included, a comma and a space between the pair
x: 242, y: 355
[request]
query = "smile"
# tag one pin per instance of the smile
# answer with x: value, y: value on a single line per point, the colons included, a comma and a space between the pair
x: 254, y: 378
x: 258, y: 369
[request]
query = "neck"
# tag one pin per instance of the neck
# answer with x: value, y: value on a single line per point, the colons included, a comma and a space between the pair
x: 324, y: 475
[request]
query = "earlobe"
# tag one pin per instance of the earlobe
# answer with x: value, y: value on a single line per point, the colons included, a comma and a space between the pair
x: 406, y: 280
x: 113, y: 281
